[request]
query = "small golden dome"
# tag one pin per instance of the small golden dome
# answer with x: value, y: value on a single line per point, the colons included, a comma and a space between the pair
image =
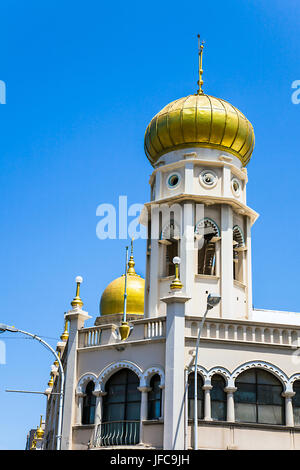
x: 199, y: 121
x: 112, y: 300
x: 40, y: 431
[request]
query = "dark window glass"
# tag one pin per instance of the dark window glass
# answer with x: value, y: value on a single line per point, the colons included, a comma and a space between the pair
x: 154, y: 398
x: 296, y: 403
x: 258, y: 398
x: 218, y: 398
x: 89, y: 404
x: 122, y: 402
x: 191, y: 396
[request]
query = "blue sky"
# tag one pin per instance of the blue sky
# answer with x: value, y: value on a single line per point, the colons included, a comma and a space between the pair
x: 83, y: 80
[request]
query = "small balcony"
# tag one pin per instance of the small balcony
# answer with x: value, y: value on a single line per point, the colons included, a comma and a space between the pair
x: 117, y: 433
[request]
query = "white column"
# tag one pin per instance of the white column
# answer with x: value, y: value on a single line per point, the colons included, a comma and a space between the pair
x: 80, y: 396
x: 226, y: 180
x: 153, y: 295
x: 187, y: 250
x: 174, y: 367
x: 207, y: 402
x: 144, y: 409
x: 189, y: 178
x: 98, y: 413
x: 76, y: 319
x: 226, y: 262
x: 248, y: 273
x: 230, y: 403
x: 289, y: 414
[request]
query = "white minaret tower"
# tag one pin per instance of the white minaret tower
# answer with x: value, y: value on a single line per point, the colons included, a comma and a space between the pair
x: 199, y: 146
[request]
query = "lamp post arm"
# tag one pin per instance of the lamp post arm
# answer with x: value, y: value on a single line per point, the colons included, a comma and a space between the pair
x: 196, y: 382
x: 62, y: 381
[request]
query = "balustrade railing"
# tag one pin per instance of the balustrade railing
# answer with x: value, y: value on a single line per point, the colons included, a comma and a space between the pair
x: 117, y: 433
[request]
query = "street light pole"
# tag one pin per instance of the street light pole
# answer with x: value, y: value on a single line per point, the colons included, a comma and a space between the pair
x: 62, y: 376
x: 212, y: 301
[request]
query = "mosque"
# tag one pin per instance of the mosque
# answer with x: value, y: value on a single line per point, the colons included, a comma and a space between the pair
x: 130, y: 378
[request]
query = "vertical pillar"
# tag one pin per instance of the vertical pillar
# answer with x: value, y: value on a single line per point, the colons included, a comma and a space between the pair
x: 248, y: 273
x: 174, y: 366
x: 207, y: 402
x: 144, y: 409
x: 76, y: 318
x: 153, y: 295
x: 189, y: 178
x: 187, y: 250
x: 80, y: 396
x: 98, y: 416
x: 230, y: 403
x: 226, y: 262
x: 289, y: 414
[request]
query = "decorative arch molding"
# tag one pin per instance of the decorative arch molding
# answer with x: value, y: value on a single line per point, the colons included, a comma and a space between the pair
x: 148, y: 374
x: 165, y: 234
x: 238, y: 235
x: 261, y: 365
x: 201, y: 371
x: 84, y: 380
x: 218, y: 371
x: 204, y: 223
x: 108, y: 371
x: 291, y: 382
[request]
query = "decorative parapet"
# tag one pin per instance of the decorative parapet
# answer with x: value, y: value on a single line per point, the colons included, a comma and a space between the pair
x: 103, y: 335
x: 244, y: 332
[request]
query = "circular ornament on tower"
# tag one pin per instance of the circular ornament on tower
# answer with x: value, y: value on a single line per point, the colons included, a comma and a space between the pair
x: 173, y: 180
x: 236, y: 187
x: 208, y: 179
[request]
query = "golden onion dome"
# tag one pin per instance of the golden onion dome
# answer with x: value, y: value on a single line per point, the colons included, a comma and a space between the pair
x: 199, y: 121
x: 112, y: 300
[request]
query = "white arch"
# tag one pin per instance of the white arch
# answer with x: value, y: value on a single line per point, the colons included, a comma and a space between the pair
x: 291, y: 381
x: 261, y: 365
x: 166, y: 231
x: 220, y: 371
x: 238, y: 233
x: 84, y: 380
x: 201, y: 371
x: 108, y: 371
x: 148, y: 374
x: 207, y: 222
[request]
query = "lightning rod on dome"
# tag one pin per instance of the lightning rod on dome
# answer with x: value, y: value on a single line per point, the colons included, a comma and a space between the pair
x: 200, y: 71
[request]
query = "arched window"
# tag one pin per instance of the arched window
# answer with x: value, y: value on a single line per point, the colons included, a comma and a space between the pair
x: 154, y: 398
x: 258, y: 398
x: 218, y: 398
x: 191, y: 396
x: 208, y: 230
x: 121, y: 409
x: 170, y: 236
x: 296, y: 403
x: 238, y: 245
x: 89, y: 404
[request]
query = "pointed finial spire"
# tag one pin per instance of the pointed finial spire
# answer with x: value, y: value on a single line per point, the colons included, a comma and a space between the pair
x: 131, y: 262
x: 200, y: 52
x: 51, y: 381
x: 77, y: 302
x: 65, y: 335
x: 56, y: 361
x: 40, y: 431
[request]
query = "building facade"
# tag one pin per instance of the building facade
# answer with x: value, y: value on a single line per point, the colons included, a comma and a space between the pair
x: 139, y: 392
